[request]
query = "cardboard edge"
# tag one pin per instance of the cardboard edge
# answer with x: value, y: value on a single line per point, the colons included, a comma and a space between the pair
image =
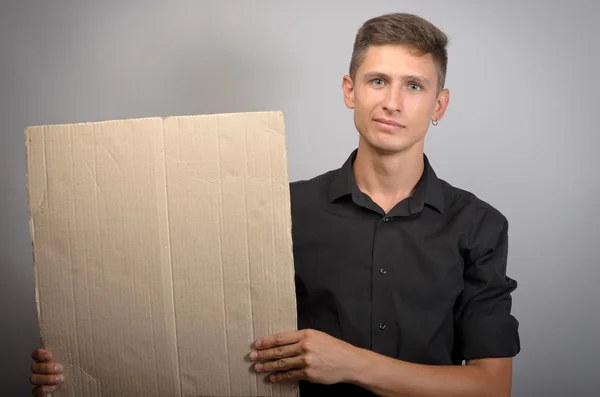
x: 147, y: 118
x: 30, y: 214
x: 290, y: 239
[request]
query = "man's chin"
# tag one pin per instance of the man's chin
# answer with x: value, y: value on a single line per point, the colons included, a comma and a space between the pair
x: 389, y: 148
x: 388, y: 144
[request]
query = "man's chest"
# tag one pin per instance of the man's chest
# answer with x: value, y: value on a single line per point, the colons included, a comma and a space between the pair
x: 387, y: 285
x: 416, y: 261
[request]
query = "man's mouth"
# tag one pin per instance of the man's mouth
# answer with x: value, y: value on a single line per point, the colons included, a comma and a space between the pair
x: 389, y: 122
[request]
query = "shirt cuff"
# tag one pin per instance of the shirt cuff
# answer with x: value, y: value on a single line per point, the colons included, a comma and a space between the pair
x: 488, y: 337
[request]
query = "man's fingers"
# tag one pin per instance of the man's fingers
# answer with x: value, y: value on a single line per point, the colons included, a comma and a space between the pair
x: 46, y: 368
x: 46, y: 380
x: 297, y: 374
x: 41, y: 355
x: 42, y: 391
x: 284, y: 338
x: 283, y: 364
x: 276, y: 352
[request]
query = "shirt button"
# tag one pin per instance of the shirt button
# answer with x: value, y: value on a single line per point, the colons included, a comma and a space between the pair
x: 386, y: 219
x: 382, y: 271
x: 382, y: 326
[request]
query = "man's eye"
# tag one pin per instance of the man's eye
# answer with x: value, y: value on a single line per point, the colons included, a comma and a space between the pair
x: 378, y: 82
x: 415, y: 87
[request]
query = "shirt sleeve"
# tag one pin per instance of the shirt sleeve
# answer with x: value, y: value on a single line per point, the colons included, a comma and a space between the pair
x: 485, y: 327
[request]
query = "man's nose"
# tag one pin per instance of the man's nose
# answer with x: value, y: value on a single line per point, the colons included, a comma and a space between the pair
x: 393, y: 100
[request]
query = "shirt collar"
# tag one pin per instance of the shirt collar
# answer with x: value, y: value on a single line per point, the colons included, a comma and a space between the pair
x: 428, y: 190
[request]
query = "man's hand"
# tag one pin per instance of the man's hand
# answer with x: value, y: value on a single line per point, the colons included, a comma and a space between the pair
x: 45, y: 374
x: 305, y: 355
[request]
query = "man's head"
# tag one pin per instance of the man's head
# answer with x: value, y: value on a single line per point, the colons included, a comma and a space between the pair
x: 396, y: 80
x: 412, y: 31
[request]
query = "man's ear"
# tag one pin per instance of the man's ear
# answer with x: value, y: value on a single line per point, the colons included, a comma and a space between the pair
x: 348, y: 90
x: 441, y: 105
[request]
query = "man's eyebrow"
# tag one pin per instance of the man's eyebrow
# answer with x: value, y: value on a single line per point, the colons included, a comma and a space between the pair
x: 414, y: 77
x: 375, y: 75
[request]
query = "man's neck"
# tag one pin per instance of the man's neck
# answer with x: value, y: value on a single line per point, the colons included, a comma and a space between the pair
x: 388, y: 178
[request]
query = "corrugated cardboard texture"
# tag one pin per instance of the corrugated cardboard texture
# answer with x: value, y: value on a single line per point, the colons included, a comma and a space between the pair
x: 162, y: 251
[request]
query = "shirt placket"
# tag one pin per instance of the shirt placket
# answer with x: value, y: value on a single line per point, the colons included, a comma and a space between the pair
x: 384, y: 332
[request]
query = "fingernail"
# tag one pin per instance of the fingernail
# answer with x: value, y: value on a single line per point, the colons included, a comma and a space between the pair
x: 58, y: 368
x: 258, y: 367
x: 59, y: 378
x: 253, y: 356
x: 258, y: 343
x: 52, y: 388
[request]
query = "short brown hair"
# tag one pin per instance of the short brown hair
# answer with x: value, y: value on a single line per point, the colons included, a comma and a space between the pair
x: 403, y: 29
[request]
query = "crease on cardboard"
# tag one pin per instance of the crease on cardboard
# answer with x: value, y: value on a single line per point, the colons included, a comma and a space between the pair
x: 73, y: 366
x: 275, y: 130
x: 87, y: 166
x: 35, y: 207
x: 111, y: 155
x: 170, y: 255
x: 252, y: 315
x: 80, y: 373
x: 70, y: 249
x: 97, y: 228
x: 221, y: 256
x: 186, y: 165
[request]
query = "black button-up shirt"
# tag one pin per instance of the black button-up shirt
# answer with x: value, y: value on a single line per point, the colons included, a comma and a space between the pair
x: 425, y: 283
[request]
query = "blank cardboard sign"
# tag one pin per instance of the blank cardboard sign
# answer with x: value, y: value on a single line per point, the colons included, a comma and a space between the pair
x: 162, y: 251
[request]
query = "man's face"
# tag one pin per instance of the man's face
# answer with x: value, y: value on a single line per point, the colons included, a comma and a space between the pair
x: 394, y: 97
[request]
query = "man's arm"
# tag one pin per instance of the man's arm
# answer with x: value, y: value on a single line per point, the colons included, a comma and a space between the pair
x: 317, y: 357
x: 390, y: 378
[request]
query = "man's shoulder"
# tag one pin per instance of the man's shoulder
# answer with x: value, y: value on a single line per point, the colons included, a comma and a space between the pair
x: 316, y: 184
x: 470, y: 204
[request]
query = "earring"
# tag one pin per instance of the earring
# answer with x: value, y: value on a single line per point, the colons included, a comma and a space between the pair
x: 434, y: 122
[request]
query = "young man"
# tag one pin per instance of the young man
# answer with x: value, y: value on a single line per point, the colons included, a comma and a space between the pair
x: 400, y: 276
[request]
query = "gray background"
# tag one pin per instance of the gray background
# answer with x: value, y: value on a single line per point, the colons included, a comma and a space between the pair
x: 520, y: 132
